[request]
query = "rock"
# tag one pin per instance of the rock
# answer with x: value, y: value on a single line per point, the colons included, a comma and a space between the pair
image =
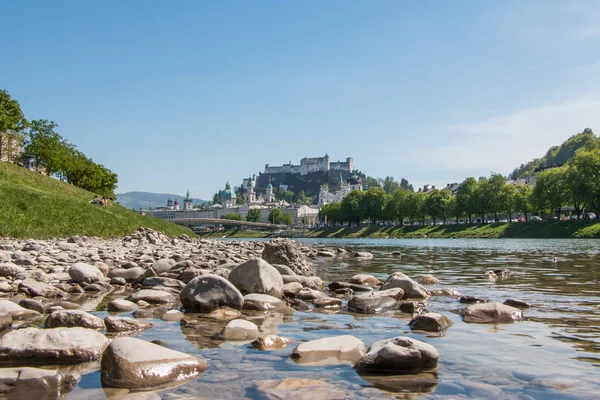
x: 262, y: 302
x: 312, y: 282
x: 310, y: 295
x: 398, y: 354
x: 430, y: 322
x: 412, y: 290
x: 10, y: 269
x: 444, y: 292
x: 103, y: 267
x: 429, y: 280
x: 136, y: 364
x: 257, y: 276
x: 52, y: 346
x: 270, y: 342
x: 287, y: 252
x: 330, y: 350
x: 118, y: 281
x: 517, y: 304
x: 299, y: 389
x: 395, y: 293
x: 224, y: 314
x: 396, y: 253
x: 31, y: 304
x: 362, y: 254
x: 240, y: 329
x: 72, y: 318
x: 486, y: 313
x: 412, y: 307
x: 325, y: 253
x: 409, y: 384
x: 121, y: 324
x: 472, y: 300
x: 6, y: 287
x: 130, y: 274
x: 290, y: 289
x: 364, y: 279
x: 346, y: 285
x: 42, y: 289
x: 35, y: 383
x: 371, y: 304
x: 163, y: 265
x: 208, y: 292
x: 152, y: 296
x: 5, y: 321
x: 330, y: 302
x: 283, y: 269
x: 121, y: 305
x: 16, y: 311
x: 172, y: 316
x: 85, y: 273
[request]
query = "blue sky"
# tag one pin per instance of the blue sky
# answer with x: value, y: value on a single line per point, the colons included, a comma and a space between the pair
x: 191, y: 94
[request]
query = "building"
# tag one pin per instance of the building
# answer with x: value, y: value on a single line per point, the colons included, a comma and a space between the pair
x: 228, y: 197
x: 310, y: 165
x: 327, y: 197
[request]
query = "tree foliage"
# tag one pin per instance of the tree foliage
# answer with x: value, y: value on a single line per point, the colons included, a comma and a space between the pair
x: 254, y: 215
x: 12, y: 124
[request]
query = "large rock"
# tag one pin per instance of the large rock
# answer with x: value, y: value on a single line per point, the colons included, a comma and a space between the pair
x: 485, y: 313
x: 136, y: 364
x: 85, y: 273
x: 257, y: 276
x: 121, y: 305
x: 35, y: 383
x: 10, y: 269
x: 16, y: 311
x: 330, y: 350
x: 399, y: 354
x: 240, y: 329
x: 124, y: 324
x: 152, y: 296
x: 130, y: 274
x: 52, y: 346
x: 412, y: 290
x: 208, y: 292
x: 5, y: 321
x: 312, y: 282
x: 262, y: 302
x: 72, y: 318
x: 430, y: 322
x: 163, y: 265
x: 287, y: 252
x: 371, y: 303
x: 35, y: 288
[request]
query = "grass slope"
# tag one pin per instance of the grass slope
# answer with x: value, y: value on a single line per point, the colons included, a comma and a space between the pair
x: 533, y: 230
x: 36, y: 206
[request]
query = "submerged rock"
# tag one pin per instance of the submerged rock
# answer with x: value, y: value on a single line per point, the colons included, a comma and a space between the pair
x: 371, y: 303
x: 331, y: 350
x: 270, y: 342
x: 517, y: 304
x: 136, y: 364
x: 486, y: 313
x: 297, y: 388
x: 399, y: 354
x: 124, y: 324
x: 430, y: 322
x: 240, y: 329
x: 32, y: 346
x: 35, y: 383
x: 206, y: 293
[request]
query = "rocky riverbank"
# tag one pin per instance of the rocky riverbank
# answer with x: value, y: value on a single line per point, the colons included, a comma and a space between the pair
x: 215, y: 290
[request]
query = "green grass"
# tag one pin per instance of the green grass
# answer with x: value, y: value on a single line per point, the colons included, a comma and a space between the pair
x: 36, y: 206
x: 552, y: 229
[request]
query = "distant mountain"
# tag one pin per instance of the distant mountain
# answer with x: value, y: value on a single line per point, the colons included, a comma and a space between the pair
x: 137, y: 200
x: 556, y: 155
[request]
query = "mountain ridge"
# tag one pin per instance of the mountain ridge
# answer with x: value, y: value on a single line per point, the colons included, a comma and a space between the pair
x: 135, y: 200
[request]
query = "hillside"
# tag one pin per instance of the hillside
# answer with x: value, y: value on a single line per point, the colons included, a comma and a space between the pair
x: 145, y: 200
x: 36, y: 206
x: 556, y: 155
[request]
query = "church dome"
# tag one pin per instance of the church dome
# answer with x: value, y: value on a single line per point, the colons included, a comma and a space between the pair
x: 269, y: 186
x: 228, y: 194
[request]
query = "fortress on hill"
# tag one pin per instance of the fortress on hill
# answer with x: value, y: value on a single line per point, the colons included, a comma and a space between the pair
x: 310, y: 165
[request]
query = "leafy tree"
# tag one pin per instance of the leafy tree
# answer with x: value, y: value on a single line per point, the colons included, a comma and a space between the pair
x: 48, y: 148
x: 415, y: 207
x: 286, y: 195
x: 466, y: 203
x: 254, y: 215
x: 395, y: 206
x: 302, y: 198
x: 275, y: 216
x: 436, y: 204
x: 12, y: 124
x: 507, y: 199
x: 351, y: 210
x: 497, y: 183
x: 551, y: 190
x: 390, y: 184
x: 584, y: 177
x: 405, y: 185
x: 524, y: 200
x: 370, y: 182
x: 286, y: 219
x: 216, y: 199
x: 373, y: 203
x: 233, y: 217
x: 333, y: 212
x: 482, y: 196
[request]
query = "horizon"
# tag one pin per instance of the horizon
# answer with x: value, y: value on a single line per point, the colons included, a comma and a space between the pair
x: 192, y: 95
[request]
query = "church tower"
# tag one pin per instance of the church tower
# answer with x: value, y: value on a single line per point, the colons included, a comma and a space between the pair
x: 187, y: 202
x: 269, y: 195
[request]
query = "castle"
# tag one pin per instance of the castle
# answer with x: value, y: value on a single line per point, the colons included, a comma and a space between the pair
x: 312, y: 164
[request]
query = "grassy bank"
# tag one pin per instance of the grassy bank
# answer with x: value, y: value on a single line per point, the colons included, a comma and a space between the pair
x: 36, y: 206
x: 534, y: 230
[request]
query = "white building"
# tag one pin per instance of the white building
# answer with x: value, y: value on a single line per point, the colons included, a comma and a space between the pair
x: 327, y: 197
x: 312, y: 164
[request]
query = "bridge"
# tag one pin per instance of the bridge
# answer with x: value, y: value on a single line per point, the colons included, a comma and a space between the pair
x: 228, y: 222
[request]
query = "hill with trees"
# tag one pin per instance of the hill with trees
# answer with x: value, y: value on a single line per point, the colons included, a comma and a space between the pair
x: 557, y: 155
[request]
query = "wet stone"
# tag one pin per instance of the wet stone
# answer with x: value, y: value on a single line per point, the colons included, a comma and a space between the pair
x: 472, y: 300
x: 124, y: 324
x: 430, y: 322
x: 517, y: 304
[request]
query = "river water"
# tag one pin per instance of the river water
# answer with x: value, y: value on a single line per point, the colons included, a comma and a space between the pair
x: 554, y: 353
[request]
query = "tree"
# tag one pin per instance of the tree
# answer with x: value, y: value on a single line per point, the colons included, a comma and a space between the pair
x: 436, y: 204
x: 351, y: 210
x: 584, y: 178
x: 507, y: 199
x: 551, y: 190
x: 333, y: 212
x: 415, y: 207
x: 302, y: 198
x: 233, y: 217
x: 372, y: 204
x: 286, y: 219
x: 524, y: 200
x: 286, y: 195
x: 254, y: 215
x: 390, y: 184
x: 497, y: 183
x: 405, y: 185
x: 465, y: 198
x: 275, y: 216
x: 483, y: 197
x: 48, y: 149
x: 216, y: 198
x: 12, y: 124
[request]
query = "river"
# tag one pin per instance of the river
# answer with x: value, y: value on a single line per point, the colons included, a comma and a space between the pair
x: 553, y: 353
